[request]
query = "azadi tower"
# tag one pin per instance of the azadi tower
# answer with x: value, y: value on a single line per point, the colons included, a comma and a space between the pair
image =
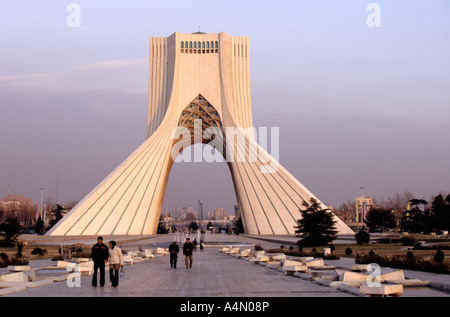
x: 199, y: 92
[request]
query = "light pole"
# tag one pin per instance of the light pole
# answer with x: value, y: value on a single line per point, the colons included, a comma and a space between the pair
x: 200, y: 212
x: 42, y: 198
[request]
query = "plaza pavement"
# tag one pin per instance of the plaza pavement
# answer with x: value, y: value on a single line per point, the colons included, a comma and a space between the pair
x: 213, y: 274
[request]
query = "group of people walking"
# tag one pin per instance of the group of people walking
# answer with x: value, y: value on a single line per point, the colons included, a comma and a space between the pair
x: 188, y: 248
x: 101, y: 255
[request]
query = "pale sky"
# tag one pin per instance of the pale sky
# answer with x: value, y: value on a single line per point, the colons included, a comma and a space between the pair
x: 355, y: 105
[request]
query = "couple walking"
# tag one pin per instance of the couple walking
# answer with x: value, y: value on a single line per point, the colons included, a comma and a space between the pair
x: 188, y: 248
x: 101, y: 255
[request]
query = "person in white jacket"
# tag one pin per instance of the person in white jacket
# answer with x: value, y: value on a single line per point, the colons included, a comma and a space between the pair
x: 115, y: 262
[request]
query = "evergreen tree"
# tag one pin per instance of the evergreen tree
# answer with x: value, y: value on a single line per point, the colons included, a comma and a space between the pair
x: 317, y: 226
x: 380, y: 218
x: 11, y: 228
x: 441, y: 213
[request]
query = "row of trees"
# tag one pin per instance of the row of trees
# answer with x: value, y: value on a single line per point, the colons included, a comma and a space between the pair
x: 418, y: 218
x: 317, y: 226
x: 25, y: 213
x: 11, y: 227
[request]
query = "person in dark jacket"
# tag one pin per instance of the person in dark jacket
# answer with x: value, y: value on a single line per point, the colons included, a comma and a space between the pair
x: 187, y: 251
x: 173, y: 250
x: 99, y: 255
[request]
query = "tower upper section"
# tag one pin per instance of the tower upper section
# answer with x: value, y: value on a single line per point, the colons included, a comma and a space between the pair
x: 215, y: 65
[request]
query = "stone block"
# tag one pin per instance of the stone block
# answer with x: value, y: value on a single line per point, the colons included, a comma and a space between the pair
x: 63, y: 264
x: 361, y: 267
x: 314, y: 262
x: 395, y: 275
x: 161, y: 251
x: 149, y: 255
x: 278, y: 257
x: 382, y: 290
x: 127, y: 259
x: 260, y: 258
x: 15, y: 277
x: 291, y: 263
x: 18, y: 268
x: 289, y: 270
x: 346, y: 276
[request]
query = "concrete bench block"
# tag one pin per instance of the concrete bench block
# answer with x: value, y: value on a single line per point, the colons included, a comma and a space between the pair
x: 160, y: 251
x: 63, y: 264
x: 346, y: 276
x: 278, y: 257
x: 383, y: 290
x: 127, y: 259
x: 291, y: 263
x: 361, y: 267
x: 314, y: 262
x: 18, y: 268
x: 260, y: 258
x: 15, y: 277
x: 289, y: 270
x: 396, y: 275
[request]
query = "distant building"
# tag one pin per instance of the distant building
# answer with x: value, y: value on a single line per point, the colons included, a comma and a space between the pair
x: 16, y: 200
x: 217, y: 214
x: 363, y: 205
x: 19, y: 205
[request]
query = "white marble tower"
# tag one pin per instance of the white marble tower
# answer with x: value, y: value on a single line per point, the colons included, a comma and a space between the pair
x: 198, y: 83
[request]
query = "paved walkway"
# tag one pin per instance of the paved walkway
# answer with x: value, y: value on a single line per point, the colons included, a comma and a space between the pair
x: 213, y: 274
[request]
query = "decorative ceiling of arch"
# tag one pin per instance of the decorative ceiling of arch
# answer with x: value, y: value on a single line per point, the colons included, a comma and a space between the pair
x: 200, y: 110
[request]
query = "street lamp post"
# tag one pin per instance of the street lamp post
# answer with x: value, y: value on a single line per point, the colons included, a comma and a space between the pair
x: 42, y: 198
